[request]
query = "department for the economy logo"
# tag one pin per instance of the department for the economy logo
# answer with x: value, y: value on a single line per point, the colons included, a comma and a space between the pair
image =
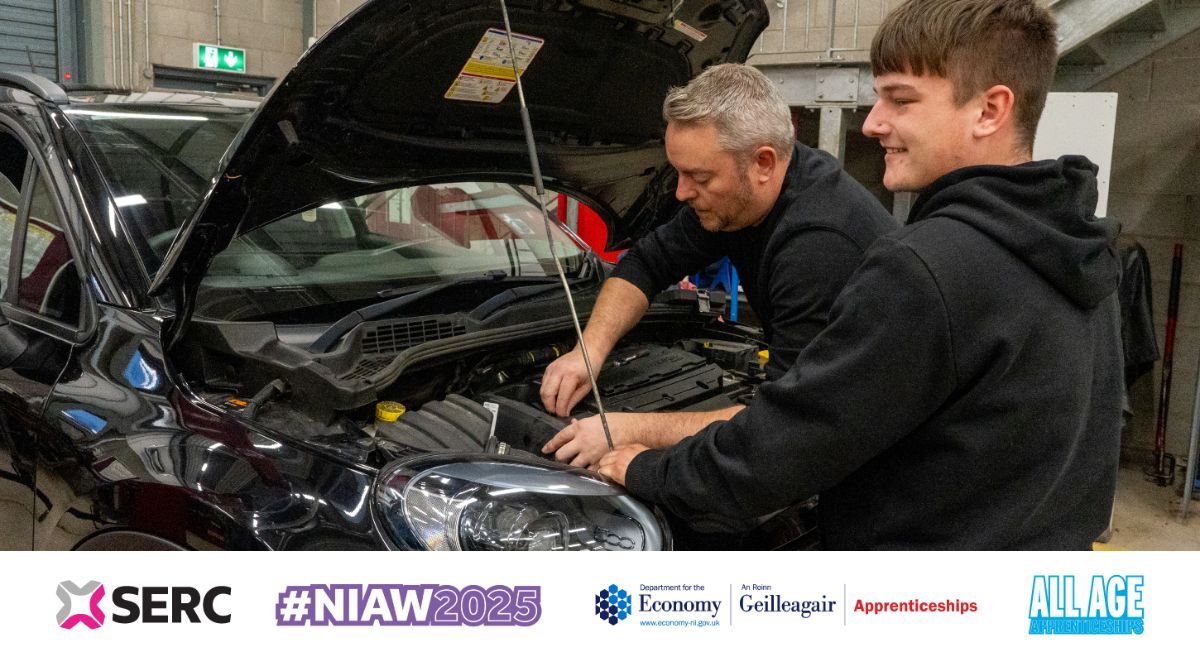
x: 405, y: 605
x: 613, y: 604
x: 80, y: 605
x: 1103, y: 604
x: 660, y: 604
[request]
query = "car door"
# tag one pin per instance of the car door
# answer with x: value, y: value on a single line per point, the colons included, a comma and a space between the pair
x: 16, y: 447
x: 40, y: 299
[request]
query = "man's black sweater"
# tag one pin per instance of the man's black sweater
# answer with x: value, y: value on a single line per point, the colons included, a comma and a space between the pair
x: 966, y: 393
x: 792, y: 265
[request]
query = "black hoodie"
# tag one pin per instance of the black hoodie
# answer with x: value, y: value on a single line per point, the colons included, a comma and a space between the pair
x: 965, y: 395
x: 792, y: 265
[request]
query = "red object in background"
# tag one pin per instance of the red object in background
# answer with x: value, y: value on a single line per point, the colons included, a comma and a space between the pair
x: 591, y: 229
x: 453, y: 214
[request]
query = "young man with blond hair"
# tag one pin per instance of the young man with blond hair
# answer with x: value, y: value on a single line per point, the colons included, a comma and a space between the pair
x: 967, y: 392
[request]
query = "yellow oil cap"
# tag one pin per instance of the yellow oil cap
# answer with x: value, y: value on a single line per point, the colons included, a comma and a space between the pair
x: 763, y: 357
x: 388, y: 411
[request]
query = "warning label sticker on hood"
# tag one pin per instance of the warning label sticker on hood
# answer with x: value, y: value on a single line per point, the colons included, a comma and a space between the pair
x: 487, y: 77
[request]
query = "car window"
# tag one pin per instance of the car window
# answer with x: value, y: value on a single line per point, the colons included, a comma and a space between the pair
x: 49, y: 282
x: 12, y: 170
x: 158, y: 161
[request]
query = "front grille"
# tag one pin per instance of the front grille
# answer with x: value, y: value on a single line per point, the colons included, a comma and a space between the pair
x: 392, y: 336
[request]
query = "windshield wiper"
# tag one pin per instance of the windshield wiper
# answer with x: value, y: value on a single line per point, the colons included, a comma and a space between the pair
x: 589, y: 271
x: 514, y: 295
x: 406, y: 296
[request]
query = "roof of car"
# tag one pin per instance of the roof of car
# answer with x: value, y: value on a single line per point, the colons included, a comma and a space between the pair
x: 34, y: 84
x: 163, y: 97
x: 74, y: 94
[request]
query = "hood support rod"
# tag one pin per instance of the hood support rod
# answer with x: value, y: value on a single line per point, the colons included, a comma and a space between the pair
x: 541, y: 194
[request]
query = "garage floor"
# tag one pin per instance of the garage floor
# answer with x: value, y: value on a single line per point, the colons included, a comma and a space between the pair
x: 1146, y: 516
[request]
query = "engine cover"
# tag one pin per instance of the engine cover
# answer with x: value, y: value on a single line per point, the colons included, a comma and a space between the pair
x: 652, y: 377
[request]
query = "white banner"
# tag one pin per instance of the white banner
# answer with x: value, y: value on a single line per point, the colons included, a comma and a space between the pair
x: 716, y: 603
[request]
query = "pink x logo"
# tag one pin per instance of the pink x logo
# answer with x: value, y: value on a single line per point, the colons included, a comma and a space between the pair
x: 74, y: 599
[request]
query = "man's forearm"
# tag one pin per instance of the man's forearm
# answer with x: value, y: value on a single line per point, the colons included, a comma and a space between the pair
x: 662, y: 430
x: 618, y: 308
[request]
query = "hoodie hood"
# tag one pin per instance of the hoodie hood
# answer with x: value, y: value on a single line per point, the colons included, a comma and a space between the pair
x: 1043, y: 212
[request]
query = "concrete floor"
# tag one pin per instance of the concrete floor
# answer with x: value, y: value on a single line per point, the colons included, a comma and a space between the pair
x: 1146, y: 516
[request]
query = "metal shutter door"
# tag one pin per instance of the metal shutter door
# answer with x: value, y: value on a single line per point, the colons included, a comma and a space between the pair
x: 28, y: 28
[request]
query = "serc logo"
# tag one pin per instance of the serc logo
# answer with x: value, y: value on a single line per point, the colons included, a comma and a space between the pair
x: 613, y: 604
x: 1105, y: 605
x: 138, y: 604
x: 75, y: 599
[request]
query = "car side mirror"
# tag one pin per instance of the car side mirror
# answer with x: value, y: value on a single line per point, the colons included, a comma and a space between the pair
x: 13, y: 345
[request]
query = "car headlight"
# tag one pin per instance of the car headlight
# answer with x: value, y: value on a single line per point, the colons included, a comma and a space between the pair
x: 493, y: 502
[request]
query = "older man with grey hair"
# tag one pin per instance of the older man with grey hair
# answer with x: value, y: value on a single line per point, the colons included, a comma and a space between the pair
x: 789, y: 218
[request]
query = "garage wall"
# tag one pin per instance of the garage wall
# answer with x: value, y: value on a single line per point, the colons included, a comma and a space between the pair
x: 329, y: 12
x: 272, y: 32
x: 1156, y: 195
x: 269, y: 30
x: 800, y: 28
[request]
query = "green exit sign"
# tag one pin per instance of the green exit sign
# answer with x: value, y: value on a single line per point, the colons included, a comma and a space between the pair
x: 219, y: 58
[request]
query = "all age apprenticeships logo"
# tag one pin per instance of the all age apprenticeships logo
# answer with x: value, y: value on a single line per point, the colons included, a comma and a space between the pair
x: 613, y: 604
x: 1104, y: 605
x: 80, y: 605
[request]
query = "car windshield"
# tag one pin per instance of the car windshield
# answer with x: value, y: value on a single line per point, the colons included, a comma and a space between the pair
x: 313, y: 266
x: 160, y: 161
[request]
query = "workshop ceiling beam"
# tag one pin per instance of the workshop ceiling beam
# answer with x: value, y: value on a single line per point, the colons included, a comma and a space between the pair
x: 1126, y: 43
x: 1080, y: 20
x: 805, y: 85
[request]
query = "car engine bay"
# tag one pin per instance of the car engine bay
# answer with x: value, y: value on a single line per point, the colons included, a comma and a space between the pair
x: 260, y: 372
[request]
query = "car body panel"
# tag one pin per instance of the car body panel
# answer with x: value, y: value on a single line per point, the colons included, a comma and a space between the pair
x: 126, y: 450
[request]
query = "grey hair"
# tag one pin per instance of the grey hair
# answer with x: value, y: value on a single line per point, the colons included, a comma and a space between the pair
x: 742, y: 103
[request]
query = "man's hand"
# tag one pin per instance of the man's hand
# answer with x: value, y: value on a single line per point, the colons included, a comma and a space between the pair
x: 582, y: 443
x: 614, y: 464
x: 566, y: 382
x: 618, y: 307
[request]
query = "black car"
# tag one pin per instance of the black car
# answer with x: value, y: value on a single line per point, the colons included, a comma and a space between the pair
x: 321, y: 322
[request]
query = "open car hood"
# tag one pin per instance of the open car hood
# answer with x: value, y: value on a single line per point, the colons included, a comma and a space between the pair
x: 404, y: 92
